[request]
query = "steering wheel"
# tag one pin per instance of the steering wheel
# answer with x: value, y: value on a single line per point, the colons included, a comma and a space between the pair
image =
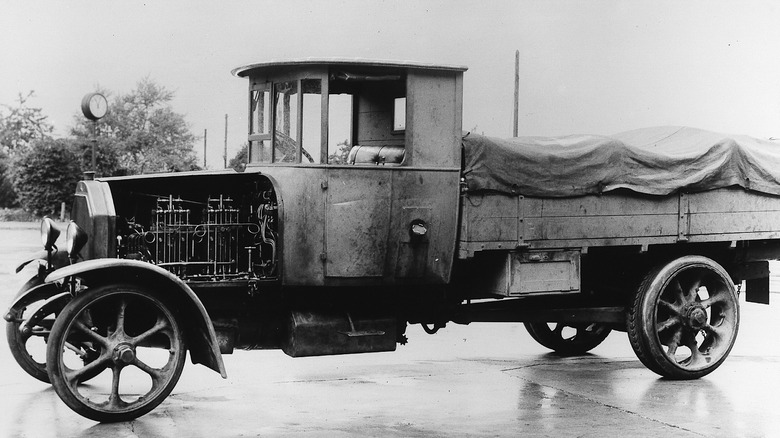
x: 287, y: 148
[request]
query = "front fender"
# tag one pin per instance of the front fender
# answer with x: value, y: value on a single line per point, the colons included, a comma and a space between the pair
x: 28, y: 295
x: 35, y: 280
x: 58, y: 259
x: 203, y: 344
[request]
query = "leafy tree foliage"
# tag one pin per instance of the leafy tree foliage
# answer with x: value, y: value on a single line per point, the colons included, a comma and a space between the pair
x: 45, y: 175
x: 20, y: 125
x: 7, y: 193
x: 106, y: 156
x: 238, y: 162
x: 341, y: 154
x: 140, y: 134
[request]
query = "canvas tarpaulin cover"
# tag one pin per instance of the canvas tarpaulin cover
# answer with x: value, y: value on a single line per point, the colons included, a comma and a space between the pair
x: 654, y: 161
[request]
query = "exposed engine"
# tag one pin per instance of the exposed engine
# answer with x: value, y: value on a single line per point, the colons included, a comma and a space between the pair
x: 230, y: 235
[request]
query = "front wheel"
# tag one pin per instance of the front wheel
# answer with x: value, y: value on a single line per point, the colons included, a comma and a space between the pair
x: 141, y: 353
x: 29, y: 323
x: 568, y: 339
x: 684, y: 318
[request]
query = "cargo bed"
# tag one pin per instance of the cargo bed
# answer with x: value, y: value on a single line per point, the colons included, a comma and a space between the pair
x: 493, y: 221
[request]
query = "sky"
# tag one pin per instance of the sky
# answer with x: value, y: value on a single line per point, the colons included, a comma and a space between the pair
x: 586, y: 67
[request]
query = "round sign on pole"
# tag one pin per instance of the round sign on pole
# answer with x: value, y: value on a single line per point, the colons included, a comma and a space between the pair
x: 94, y: 106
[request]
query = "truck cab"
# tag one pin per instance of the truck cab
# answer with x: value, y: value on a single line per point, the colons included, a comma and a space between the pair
x: 365, y: 158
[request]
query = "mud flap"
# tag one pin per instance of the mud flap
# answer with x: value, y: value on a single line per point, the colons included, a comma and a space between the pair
x: 756, y: 277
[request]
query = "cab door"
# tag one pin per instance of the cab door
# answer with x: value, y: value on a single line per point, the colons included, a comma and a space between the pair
x: 357, y: 221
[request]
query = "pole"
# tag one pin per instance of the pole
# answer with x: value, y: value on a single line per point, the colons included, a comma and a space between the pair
x: 205, y: 138
x: 517, y: 92
x: 224, y: 156
x: 94, y: 144
x: 90, y: 174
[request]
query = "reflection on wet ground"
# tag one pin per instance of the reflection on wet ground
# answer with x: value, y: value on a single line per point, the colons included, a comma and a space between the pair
x: 449, y: 390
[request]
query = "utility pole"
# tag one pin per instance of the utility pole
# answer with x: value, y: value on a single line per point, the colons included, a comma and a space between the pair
x: 517, y: 93
x: 205, y: 138
x: 224, y: 156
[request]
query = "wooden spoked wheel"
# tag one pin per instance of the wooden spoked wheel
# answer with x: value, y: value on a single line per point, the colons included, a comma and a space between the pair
x: 684, y: 319
x: 29, y: 322
x: 141, y: 353
x: 568, y: 339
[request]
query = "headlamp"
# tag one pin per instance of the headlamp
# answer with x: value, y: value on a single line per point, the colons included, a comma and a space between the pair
x: 49, y: 234
x: 75, y: 239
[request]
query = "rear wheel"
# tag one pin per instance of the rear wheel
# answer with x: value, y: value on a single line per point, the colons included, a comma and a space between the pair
x: 141, y: 353
x: 684, y: 318
x: 568, y: 339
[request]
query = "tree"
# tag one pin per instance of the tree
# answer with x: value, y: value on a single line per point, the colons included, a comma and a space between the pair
x: 7, y: 193
x: 20, y: 125
x: 341, y: 154
x: 106, y: 156
x: 238, y: 162
x: 45, y: 175
x: 142, y: 131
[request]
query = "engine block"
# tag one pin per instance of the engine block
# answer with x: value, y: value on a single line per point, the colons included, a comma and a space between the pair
x: 217, y: 238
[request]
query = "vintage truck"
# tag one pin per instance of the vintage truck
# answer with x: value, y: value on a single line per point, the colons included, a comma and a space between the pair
x: 363, y: 208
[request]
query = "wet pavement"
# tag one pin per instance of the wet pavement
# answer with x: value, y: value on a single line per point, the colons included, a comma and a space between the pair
x: 477, y: 380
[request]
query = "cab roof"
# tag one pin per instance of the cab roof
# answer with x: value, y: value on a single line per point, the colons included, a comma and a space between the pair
x: 344, y: 62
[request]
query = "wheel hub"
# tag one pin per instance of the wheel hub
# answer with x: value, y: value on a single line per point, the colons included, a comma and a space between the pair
x: 695, y: 316
x: 124, y: 354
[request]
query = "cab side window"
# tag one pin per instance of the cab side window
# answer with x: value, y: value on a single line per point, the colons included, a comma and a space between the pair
x: 372, y: 111
x: 365, y: 118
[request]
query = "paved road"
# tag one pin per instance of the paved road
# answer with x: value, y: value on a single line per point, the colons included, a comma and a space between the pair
x: 478, y: 380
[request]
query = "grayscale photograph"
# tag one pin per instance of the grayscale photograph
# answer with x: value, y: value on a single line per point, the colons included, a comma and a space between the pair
x: 389, y: 218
